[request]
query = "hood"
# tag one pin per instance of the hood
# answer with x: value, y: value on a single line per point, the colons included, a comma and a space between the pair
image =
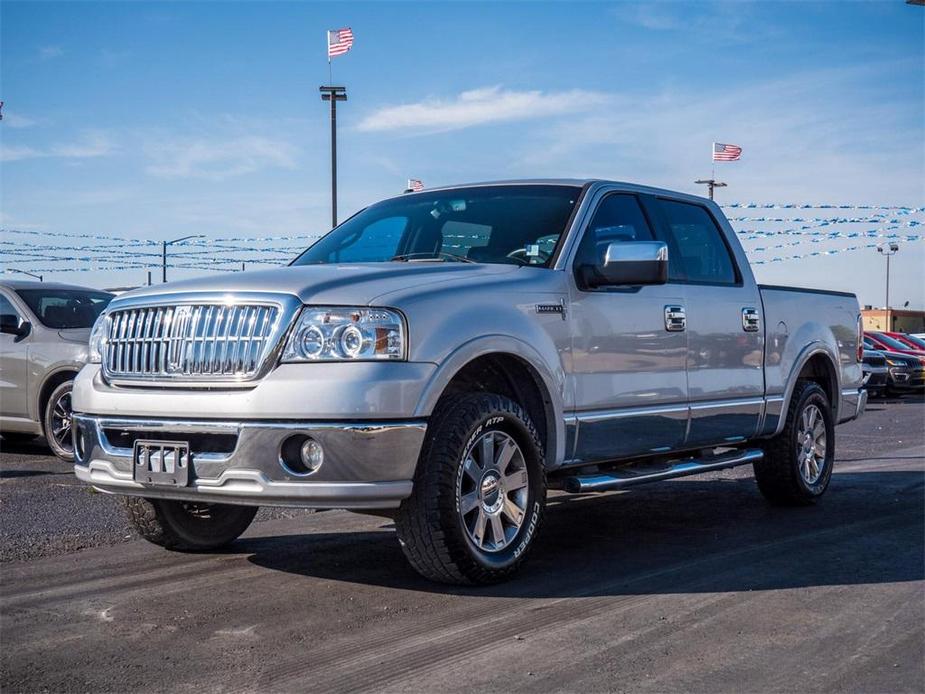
x: 81, y: 335
x: 338, y: 284
x: 910, y: 359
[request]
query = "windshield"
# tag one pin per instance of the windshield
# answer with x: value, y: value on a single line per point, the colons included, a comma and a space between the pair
x: 511, y: 224
x: 913, y: 341
x: 894, y: 344
x: 65, y: 308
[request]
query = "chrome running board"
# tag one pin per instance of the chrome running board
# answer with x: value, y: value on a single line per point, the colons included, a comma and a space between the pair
x: 626, y: 477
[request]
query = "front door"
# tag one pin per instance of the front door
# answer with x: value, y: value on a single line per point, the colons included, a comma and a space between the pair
x: 14, y: 368
x: 629, y: 370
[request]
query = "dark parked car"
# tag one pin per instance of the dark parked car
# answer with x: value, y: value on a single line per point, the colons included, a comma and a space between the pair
x: 907, y: 372
x: 876, y: 372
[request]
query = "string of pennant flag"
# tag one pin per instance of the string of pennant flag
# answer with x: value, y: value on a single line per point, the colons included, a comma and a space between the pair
x: 763, y: 237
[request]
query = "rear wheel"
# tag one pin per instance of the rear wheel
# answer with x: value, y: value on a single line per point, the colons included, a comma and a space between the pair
x: 57, y: 422
x: 479, y: 492
x: 798, y: 462
x: 186, y: 525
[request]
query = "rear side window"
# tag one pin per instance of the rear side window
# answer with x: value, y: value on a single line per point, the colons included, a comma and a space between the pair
x: 704, y: 254
x: 618, y: 218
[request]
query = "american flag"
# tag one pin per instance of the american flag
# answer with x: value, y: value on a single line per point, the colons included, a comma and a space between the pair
x: 723, y: 152
x: 339, y: 41
x: 415, y: 185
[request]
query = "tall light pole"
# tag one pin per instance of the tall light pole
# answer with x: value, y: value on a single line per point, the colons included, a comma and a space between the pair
x: 23, y: 272
x: 164, y: 253
x: 888, y: 250
x: 333, y: 94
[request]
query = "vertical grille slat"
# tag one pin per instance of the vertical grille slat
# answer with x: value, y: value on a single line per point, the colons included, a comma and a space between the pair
x: 193, y: 341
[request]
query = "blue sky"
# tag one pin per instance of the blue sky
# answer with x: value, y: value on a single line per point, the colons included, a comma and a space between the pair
x: 157, y: 120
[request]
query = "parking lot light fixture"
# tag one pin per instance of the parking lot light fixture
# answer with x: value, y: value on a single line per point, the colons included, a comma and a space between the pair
x: 23, y: 272
x: 888, y: 249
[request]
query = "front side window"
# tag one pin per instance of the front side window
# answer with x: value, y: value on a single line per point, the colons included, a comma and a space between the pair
x: 617, y: 219
x: 505, y: 224
x: 65, y: 308
x: 705, y: 258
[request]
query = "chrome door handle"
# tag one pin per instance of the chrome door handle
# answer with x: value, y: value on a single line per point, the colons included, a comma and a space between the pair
x: 675, y: 319
x: 751, y: 320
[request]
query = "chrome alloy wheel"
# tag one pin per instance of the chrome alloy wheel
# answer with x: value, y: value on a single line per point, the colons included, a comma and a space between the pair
x: 811, y: 442
x: 61, y: 422
x: 492, y: 490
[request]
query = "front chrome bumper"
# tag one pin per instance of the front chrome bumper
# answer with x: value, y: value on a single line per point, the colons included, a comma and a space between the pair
x: 366, y: 464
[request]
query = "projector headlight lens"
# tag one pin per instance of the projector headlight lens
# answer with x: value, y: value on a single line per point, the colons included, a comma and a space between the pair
x: 346, y: 334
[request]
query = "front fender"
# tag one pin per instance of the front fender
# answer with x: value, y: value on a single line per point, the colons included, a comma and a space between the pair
x: 546, y: 365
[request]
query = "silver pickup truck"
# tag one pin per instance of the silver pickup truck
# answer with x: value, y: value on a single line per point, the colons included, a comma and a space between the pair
x: 445, y: 357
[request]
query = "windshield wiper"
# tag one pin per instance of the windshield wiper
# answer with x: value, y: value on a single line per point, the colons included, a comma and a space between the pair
x: 427, y: 255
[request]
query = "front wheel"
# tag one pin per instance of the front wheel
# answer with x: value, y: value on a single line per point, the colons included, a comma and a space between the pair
x: 798, y: 462
x: 187, y: 525
x: 479, y: 492
x: 57, y: 422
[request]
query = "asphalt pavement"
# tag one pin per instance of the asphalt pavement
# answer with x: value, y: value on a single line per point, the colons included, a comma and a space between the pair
x: 693, y: 585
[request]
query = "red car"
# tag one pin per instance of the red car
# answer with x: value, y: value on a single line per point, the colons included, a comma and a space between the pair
x: 885, y: 342
x: 911, y: 340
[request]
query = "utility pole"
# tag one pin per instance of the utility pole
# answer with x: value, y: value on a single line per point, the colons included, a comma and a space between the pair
x: 711, y: 183
x: 333, y: 94
x: 164, y: 253
x: 892, y: 248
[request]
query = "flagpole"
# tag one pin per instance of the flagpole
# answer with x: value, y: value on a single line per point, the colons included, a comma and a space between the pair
x: 328, y: 49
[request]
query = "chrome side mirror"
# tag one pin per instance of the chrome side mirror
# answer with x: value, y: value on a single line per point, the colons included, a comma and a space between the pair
x: 633, y: 263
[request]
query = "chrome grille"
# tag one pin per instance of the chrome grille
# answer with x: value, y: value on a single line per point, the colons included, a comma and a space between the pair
x: 211, y: 341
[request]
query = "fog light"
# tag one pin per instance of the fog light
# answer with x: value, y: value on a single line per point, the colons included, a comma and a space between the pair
x: 312, y: 454
x: 301, y: 455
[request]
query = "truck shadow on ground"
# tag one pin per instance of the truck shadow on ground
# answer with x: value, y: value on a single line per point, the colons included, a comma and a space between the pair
x: 682, y: 536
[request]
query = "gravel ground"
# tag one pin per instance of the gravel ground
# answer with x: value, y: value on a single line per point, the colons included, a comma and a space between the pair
x: 45, y: 510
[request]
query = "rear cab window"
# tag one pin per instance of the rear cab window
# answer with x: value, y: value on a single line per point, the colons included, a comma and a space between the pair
x: 697, y: 243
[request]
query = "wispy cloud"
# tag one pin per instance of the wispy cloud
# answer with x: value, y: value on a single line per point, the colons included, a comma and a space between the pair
x: 16, y: 120
x: 477, y: 107
x: 217, y: 159
x: 50, y: 52
x: 90, y: 144
x: 664, y: 138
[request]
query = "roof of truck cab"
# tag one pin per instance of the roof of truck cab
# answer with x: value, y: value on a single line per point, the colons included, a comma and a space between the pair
x: 35, y: 284
x: 571, y: 182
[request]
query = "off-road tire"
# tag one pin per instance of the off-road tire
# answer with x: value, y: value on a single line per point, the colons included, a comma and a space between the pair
x: 185, y: 526
x: 778, y: 474
x: 65, y: 454
x: 429, y: 526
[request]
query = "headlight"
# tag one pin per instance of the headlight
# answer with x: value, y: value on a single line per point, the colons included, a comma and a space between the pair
x: 98, y: 339
x: 346, y: 334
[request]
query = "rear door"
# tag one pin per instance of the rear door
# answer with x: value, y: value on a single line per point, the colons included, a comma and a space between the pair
x: 725, y: 335
x: 628, y: 369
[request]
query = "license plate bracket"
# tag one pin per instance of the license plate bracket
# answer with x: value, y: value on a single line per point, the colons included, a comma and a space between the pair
x: 161, y: 463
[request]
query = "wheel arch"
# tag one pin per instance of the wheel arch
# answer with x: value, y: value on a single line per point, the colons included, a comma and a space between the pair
x: 52, y: 380
x: 499, y: 363
x: 815, y: 363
